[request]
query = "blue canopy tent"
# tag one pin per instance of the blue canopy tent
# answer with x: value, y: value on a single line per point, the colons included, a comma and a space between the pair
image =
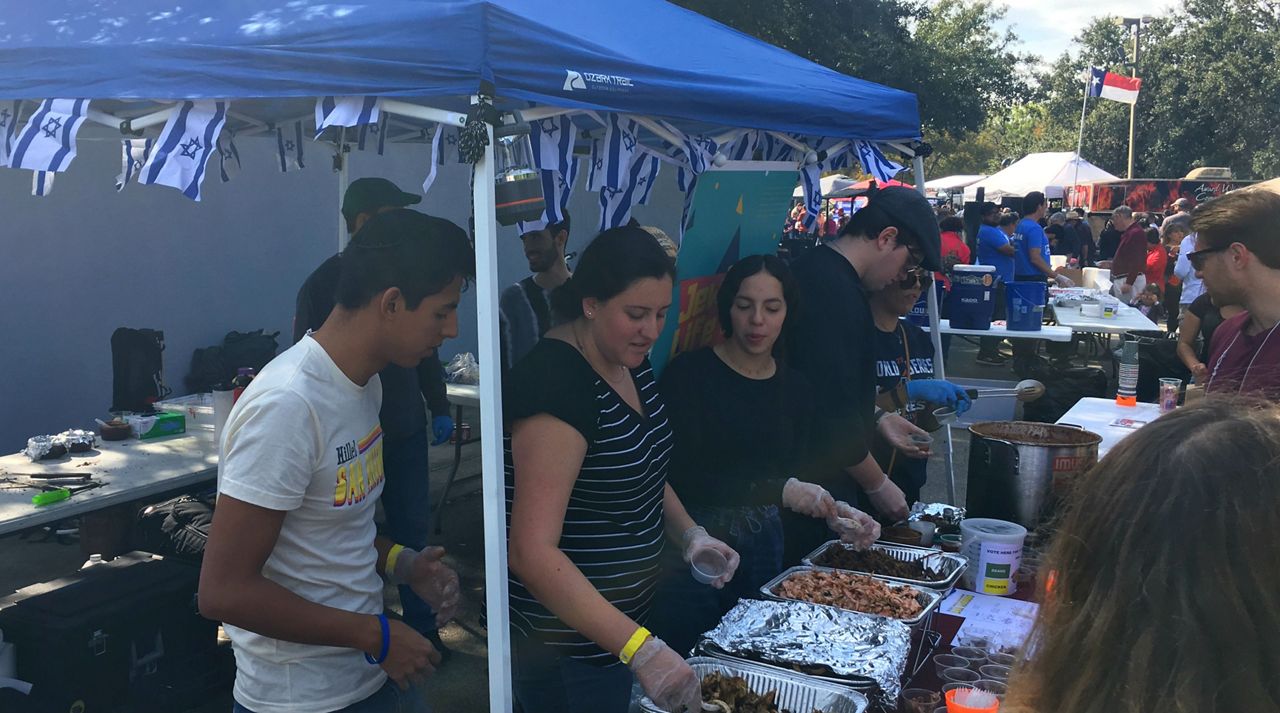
x: 677, y: 73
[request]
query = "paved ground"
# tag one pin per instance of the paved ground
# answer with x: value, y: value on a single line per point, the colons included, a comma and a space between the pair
x: 462, y: 684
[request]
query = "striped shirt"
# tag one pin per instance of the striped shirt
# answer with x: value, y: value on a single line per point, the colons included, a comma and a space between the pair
x: 613, y: 526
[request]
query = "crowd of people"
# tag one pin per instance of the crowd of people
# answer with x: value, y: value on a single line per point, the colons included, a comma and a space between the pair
x: 802, y: 424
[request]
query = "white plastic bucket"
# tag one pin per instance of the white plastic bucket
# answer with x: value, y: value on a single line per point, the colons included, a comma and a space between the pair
x: 994, y: 551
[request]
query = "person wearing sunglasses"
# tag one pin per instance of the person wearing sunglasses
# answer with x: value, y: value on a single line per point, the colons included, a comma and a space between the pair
x: 829, y: 343
x: 1238, y: 256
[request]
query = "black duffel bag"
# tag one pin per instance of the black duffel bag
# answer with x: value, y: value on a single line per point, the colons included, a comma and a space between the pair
x: 1157, y: 359
x: 178, y: 527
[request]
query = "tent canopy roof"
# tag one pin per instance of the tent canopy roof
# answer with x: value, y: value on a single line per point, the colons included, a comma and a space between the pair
x: 649, y: 57
x: 953, y: 182
x: 1049, y: 173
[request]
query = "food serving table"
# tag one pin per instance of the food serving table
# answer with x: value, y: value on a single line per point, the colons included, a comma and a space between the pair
x: 998, y: 329
x: 460, y: 396
x: 1127, y: 319
x: 1099, y: 415
x: 130, y: 470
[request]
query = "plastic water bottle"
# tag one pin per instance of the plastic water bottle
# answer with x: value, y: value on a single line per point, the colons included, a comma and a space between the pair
x: 244, y: 376
x: 1127, y: 392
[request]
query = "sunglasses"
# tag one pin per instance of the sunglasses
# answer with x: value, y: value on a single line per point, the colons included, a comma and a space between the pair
x: 1198, y: 257
x: 916, y: 276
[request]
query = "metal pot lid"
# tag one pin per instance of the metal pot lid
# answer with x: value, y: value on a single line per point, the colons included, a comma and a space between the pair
x: 1032, y: 433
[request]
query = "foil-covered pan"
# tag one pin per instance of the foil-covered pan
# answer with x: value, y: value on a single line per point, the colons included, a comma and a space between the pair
x: 928, y: 598
x: 795, y: 692
x: 937, y: 513
x: 951, y: 565
x: 863, y: 652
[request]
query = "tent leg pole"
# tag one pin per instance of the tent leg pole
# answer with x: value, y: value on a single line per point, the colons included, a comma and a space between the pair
x: 495, y: 515
x: 939, y: 368
x: 341, y: 164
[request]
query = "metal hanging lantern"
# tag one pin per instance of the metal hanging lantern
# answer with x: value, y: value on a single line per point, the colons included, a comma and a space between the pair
x: 517, y: 184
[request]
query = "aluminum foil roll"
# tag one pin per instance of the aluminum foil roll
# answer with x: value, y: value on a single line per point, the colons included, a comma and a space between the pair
x: 937, y: 512
x: 803, y: 634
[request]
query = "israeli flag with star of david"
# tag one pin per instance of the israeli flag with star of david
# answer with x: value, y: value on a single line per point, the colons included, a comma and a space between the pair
x: 552, y: 142
x: 557, y: 188
x: 743, y: 148
x: 42, y: 182
x: 875, y: 163
x: 180, y: 155
x: 612, y: 157
x: 616, y: 203
x: 48, y: 142
x: 346, y: 111
x: 289, y: 147
x: 228, y: 157
x: 376, y: 132
x: 133, y: 155
x: 811, y: 177
x: 8, y: 130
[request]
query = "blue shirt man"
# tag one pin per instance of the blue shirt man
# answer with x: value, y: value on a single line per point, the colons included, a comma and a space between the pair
x: 990, y: 242
x: 1029, y: 238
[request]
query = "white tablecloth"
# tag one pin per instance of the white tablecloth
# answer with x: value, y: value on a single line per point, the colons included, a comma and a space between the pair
x: 1047, y: 332
x: 1098, y: 415
x: 1127, y: 319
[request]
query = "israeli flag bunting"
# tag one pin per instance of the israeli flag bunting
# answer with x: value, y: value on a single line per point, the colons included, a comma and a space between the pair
x: 377, y: 130
x: 8, y: 130
x: 775, y: 149
x: 228, y: 157
x: 700, y: 150
x: 616, y: 203
x: 874, y: 162
x: 556, y: 191
x: 346, y: 111
x: 552, y: 141
x: 435, y: 163
x: 612, y: 157
x: 181, y: 153
x: 41, y: 182
x: 744, y: 147
x: 289, y: 146
x: 810, y: 176
x: 839, y: 161
x: 48, y: 142
x: 134, y: 153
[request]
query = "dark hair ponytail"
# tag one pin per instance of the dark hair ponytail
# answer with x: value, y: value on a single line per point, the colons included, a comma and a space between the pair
x: 609, y: 264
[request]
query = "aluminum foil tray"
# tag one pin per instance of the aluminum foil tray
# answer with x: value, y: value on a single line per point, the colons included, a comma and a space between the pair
x: 953, y: 565
x: 928, y: 598
x: 795, y: 692
x: 950, y: 514
x: 867, y: 653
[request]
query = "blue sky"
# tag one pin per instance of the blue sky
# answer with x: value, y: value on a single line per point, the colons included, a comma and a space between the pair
x: 1046, y: 28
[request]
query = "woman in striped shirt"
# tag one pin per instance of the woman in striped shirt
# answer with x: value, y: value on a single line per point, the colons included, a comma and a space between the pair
x: 589, y: 508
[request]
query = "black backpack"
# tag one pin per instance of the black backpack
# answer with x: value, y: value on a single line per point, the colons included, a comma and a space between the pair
x: 178, y: 527
x: 217, y: 365
x: 137, y: 369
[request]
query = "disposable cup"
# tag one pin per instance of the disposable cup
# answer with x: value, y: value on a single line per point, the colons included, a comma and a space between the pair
x: 920, y: 700
x: 946, y: 661
x: 960, y: 675
x: 707, y: 565
x: 977, y: 657
x: 1002, y: 659
x: 994, y: 672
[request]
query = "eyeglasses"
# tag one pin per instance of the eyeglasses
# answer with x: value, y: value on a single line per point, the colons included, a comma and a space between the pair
x: 916, y: 276
x: 915, y: 255
x: 1198, y: 257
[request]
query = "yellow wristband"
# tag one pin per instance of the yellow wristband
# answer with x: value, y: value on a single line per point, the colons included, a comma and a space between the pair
x: 633, y: 645
x: 393, y: 554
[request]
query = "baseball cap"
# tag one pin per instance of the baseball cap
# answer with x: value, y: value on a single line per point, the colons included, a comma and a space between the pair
x: 911, y: 210
x: 367, y: 195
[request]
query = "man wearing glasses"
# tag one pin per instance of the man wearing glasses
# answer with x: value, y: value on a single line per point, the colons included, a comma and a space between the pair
x: 1238, y: 257
x: 831, y: 342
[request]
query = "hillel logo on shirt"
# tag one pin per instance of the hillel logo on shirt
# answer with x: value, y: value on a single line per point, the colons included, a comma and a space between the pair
x: 359, y: 469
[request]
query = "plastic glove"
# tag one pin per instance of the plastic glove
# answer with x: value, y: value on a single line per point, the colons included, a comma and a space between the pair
x: 666, y: 678
x: 898, y: 432
x: 889, y: 500
x: 938, y: 391
x: 853, y: 526
x: 807, y: 499
x: 696, y: 539
x: 441, y: 428
x: 1064, y: 281
x: 430, y: 578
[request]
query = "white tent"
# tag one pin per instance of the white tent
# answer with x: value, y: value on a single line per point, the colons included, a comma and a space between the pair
x: 951, y: 183
x: 1050, y: 173
x: 830, y: 184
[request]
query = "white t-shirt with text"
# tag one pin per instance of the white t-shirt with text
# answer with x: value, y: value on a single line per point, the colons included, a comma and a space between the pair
x: 305, y: 439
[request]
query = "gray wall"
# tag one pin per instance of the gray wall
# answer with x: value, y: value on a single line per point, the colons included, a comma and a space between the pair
x: 85, y: 260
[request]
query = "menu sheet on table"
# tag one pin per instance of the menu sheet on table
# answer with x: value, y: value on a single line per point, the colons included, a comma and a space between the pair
x: 1005, y: 622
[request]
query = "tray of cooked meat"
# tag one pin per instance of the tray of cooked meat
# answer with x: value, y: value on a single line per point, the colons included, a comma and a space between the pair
x: 918, y: 567
x: 855, y: 592
x: 734, y: 687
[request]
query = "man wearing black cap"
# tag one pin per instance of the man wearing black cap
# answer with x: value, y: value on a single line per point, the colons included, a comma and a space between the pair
x: 832, y: 336
x: 524, y: 309
x: 406, y: 500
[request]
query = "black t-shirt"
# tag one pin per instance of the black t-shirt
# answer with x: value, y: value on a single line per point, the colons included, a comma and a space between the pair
x: 829, y: 332
x: 892, y: 366
x: 1210, y: 319
x: 1108, y: 243
x: 613, y: 525
x: 737, y: 440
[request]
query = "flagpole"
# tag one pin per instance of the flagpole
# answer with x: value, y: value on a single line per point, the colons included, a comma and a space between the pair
x: 1075, y: 181
x: 1133, y: 107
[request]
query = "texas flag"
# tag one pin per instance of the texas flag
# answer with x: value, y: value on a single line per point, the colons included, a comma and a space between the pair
x: 1115, y: 87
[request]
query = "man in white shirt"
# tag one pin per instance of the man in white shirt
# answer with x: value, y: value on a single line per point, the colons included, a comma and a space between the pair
x: 292, y: 564
x: 1192, y: 284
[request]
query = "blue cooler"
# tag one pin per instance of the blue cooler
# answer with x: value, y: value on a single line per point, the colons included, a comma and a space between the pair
x: 1026, y: 305
x: 919, y: 314
x: 972, y: 299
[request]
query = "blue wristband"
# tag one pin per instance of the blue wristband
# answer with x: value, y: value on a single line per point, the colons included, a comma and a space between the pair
x: 386, y: 642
